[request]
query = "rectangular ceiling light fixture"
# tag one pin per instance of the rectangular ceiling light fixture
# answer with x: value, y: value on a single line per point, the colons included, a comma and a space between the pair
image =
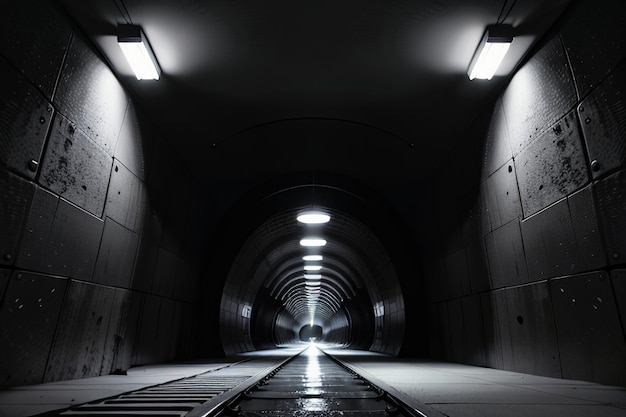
x: 490, y: 52
x: 138, y: 53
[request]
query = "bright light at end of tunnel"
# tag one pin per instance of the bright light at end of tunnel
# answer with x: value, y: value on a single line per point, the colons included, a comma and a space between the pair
x: 313, y: 257
x: 312, y: 242
x: 313, y: 217
x: 312, y: 276
x: 312, y: 267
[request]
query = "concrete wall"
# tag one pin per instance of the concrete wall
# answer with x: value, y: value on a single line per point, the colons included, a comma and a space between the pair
x: 528, y: 267
x: 98, y: 256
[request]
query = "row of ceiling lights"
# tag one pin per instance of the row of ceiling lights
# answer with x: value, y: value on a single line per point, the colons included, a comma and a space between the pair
x: 313, y: 281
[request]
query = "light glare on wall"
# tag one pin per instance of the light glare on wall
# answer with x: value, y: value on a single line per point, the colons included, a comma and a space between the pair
x: 137, y: 52
x: 490, y: 52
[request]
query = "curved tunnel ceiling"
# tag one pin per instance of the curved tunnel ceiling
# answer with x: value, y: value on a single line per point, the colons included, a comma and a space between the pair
x: 355, y: 280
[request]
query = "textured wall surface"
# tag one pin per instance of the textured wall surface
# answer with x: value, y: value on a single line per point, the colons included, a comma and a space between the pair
x: 99, y: 261
x: 527, y: 273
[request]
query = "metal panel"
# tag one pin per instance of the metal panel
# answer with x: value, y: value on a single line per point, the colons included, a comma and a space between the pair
x: 539, y: 94
x: 16, y: 195
x: 503, y: 200
x: 505, y: 253
x: 533, y: 336
x: 591, y: 341
x: 498, y: 147
x: 91, y: 96
x: 552, y: 167
x: 611, y: 204
x: 551, y: 241
x: 28, y: 320
x: 116, y: 257
x: 126, y: 201
x: 40, y: 25
x: 594, y: 35
x: 78, y: 349
x: 25, y: 117
x: 75, y: 168
x: 60, y: 239
x: 603, y: 120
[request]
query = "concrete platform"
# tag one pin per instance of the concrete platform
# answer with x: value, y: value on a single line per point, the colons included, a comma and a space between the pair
x: 454, y: 390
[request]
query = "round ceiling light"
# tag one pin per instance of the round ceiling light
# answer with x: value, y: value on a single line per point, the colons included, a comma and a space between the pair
x: 312, y: 242
x: 313, y: 217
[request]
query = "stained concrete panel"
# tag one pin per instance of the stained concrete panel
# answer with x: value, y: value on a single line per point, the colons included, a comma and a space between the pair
x: 75, y: 167
x: 497, y: 149
x: 116, y: 256
x: 603, y: 121
x: 552, y: 166
x: 594, y: 35
x: 489, y: 314
x: 78, y: 349
x: 503, y: 330
x: 28, y: 319
x: 505, y: 253
x: 563, y: 239
x: 591, y: 341
x: 89, y: 94
x: 531, y: 324
x: 122, y: 329
x: 503, y: 197
x: 126, y: 201
x: 25, y: 116
x: 611, y: 205
x: 41, y: 60
x: 60, y: 238
x: 16, y: 195
x: 539, y: 94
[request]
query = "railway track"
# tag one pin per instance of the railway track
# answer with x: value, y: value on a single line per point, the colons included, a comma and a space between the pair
x: 310, y: 383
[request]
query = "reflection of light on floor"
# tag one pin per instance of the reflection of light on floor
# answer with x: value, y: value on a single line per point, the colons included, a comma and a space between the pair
x: 312, y: 380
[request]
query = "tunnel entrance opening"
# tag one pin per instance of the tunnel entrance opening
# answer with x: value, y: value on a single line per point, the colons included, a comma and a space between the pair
x: 310, y: 333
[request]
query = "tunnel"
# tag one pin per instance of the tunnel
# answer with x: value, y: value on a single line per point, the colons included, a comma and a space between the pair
x: 475, y: 222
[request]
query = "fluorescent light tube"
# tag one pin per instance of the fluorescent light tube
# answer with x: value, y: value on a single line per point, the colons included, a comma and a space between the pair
x: 490, y: 52
x: 138, y: 53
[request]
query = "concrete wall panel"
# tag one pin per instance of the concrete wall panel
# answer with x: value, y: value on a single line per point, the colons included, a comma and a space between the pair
x: 497, y: 146
x: 116, y: 256
x: 28, y: 319
x: 603, y: 120
x: 126, y: 198
x: 594, y: 35
x: 505, y: 252
x: 90, y: 96
x: 618, y: 278
x: 25, y: 117
x: 78, y: 349
x: 75, y: 168
x: 503, y: 199
x: 16, y: 196
x: 539, y: 94
x: 531, y: 324
x: 61, y: 238
x: 611, y: 203
x: 588, y: 325
x: 552, y: 167
x: 41, y: 60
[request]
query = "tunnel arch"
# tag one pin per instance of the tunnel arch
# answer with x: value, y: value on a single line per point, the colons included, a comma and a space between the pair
x: 353, y: 204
